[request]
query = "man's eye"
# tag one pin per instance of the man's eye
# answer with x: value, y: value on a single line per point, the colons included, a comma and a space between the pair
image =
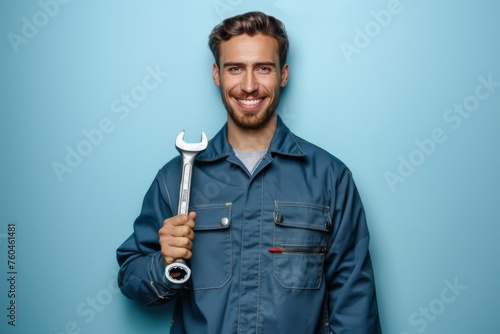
x: 235, y: 69
x: 264, y: 69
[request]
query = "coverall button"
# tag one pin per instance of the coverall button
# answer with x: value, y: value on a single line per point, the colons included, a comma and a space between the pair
x: 279, y: 218
x: 224, y: 221
x: 328, y: 225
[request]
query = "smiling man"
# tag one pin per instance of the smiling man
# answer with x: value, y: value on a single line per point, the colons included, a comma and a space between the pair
x: 250, y: 76
x: 276, y: 237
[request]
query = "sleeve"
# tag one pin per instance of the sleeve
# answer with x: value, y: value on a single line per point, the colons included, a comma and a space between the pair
x: 141, y: 264
x: 352, y: 301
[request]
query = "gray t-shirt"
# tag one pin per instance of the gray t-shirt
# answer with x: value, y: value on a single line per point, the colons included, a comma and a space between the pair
x: 250, y: 159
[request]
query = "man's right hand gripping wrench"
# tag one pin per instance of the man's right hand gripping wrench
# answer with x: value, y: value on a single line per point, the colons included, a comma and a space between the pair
x: 176, y: 235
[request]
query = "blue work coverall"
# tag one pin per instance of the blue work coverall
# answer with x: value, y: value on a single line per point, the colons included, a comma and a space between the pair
x: 282, y: 250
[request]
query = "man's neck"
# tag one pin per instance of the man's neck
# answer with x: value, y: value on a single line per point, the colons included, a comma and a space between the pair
x: 251, y: 140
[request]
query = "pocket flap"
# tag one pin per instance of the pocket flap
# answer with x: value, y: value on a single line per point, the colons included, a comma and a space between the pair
x: 302, y: 215
x: 212, y: 217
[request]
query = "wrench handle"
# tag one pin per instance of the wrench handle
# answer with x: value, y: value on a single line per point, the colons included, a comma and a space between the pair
x: 184, y: 192
x: 178, y: 271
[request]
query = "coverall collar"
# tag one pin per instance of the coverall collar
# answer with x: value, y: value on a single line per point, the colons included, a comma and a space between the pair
x: 283, y: 142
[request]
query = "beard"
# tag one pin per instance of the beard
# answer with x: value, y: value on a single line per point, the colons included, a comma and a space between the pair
x: 251, y: 120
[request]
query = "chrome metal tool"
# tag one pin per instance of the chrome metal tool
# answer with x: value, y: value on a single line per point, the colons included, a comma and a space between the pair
x: 178, y: 271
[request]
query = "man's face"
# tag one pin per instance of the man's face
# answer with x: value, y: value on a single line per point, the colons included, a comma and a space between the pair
x: 250, y: 79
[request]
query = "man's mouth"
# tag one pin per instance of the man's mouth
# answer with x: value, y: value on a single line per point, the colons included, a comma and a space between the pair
x: 249, y: 102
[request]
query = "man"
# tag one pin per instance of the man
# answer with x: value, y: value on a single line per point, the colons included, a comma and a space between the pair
x: 276, y: 237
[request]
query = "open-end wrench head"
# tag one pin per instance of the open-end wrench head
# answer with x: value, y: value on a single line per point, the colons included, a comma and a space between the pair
x: 191, y: 147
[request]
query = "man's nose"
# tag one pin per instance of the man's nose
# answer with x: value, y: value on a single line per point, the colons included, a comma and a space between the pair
x: 250, y: 83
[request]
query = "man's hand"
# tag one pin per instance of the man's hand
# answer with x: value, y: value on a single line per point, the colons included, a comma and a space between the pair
x: 176, y: 237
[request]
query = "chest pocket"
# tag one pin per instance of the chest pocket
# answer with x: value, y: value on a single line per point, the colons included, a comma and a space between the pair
x: 300, y: 240
x: 211, y: 260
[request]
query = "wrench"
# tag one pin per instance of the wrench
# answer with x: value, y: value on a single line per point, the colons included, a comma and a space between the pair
x: 178, y: 272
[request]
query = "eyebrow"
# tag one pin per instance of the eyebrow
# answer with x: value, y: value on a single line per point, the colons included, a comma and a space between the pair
x: 264, y: 63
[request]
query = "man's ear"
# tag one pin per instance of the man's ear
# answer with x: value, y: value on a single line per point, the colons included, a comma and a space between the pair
x: 284, y: 75
x: 216, y: 75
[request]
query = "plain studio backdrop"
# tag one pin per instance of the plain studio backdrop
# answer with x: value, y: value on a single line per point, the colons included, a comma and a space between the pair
x: 93, y: 94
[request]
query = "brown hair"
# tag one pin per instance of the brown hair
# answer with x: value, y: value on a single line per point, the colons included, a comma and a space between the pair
x: 250, y: 23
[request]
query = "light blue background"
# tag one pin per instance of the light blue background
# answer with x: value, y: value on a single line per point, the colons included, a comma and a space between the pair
x: 368, y: 108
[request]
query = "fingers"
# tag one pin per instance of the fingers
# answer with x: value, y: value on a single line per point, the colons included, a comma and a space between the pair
x: 176, y: 237
x: 170, y: 254
x: 181, y: 220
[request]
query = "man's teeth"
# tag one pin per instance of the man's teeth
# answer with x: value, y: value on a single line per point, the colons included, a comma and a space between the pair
x: 250, y: 102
